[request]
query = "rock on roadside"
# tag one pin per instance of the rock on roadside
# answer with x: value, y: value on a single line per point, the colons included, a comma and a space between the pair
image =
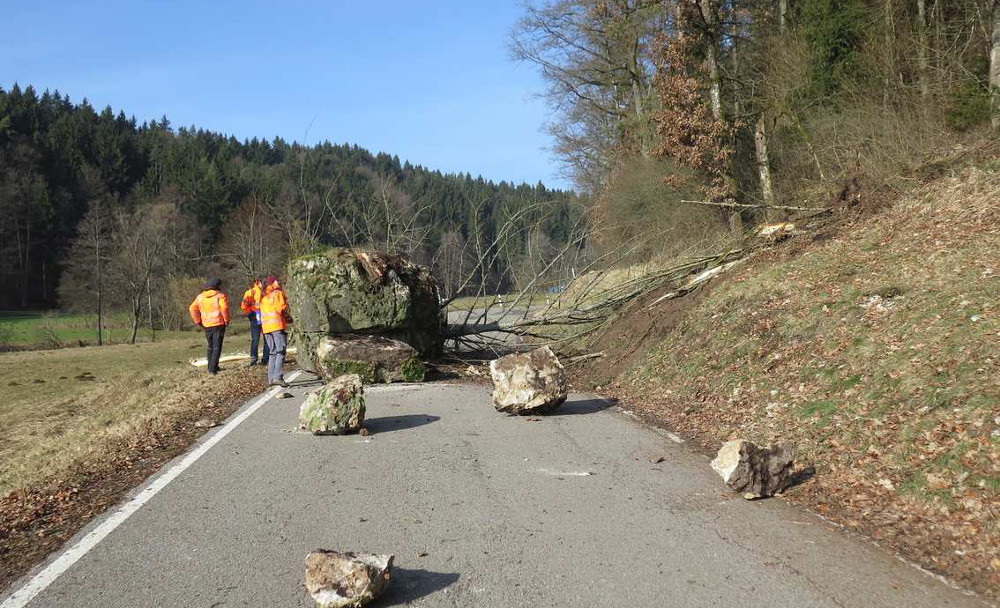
x: 374, y: 358
x: 336, y: 580
x: 335, y: 409
x: 528, y: 383
x: 755, y: 471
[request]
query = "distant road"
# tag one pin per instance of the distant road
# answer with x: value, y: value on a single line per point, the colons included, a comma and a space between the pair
x: 480, y: 510
x: 496, y: 314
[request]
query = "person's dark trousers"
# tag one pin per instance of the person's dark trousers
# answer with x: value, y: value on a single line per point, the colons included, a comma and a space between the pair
x: 214, y: 336
x: 255, y: 340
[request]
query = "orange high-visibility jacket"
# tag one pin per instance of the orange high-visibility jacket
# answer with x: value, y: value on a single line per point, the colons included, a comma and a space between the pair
x: 274, y: 315
x: 210, y: 309
x: 251, y: 299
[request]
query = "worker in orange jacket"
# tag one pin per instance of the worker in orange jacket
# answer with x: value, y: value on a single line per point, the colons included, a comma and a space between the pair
x: 251, y: 309
x: 274, y: 320
x: 210, y: 311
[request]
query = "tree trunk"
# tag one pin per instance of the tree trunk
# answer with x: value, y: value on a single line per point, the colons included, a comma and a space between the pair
x: 923, y: 67
x: 100, y: 315
x: 136, y: 311
x: 149, y: 296
x: 782, y: 12
x: 764, y: 165
x: 736, y: 225
x: 735, y: 52
x: 715, y: 90
x: 995, y: 62
x: 23, y: 258
x: 711, y: 57
x: 100, y: 287
x: 890, y: 67
x: 711, y: 19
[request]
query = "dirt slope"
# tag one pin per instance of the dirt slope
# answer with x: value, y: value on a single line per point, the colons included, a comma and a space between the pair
x: 873, y: 348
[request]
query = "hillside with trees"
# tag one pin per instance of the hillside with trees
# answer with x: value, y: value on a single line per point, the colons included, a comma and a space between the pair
x: 103, y: 212
x: 698, y: 119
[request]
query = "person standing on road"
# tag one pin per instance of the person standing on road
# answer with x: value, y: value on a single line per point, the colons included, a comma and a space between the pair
x: 251, y: 308
x: 210, y: 311
x: 274, y: 319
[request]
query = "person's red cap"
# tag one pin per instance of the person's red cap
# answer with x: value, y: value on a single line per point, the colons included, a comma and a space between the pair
x: 270, y: 280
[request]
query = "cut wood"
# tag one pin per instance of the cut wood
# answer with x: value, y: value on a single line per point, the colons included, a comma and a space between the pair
x: 582, y: 358
x: 240, y: 356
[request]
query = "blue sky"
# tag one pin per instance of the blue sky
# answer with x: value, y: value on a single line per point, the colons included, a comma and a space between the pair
x: 429, y: 81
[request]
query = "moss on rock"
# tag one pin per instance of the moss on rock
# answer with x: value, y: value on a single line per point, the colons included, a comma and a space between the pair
x: 335, y: 409
x: 413, y: 370
x: 366, y: 370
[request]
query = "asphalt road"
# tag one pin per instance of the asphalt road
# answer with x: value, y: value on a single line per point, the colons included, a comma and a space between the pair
x: 480, y: 509
x: 504, y: 316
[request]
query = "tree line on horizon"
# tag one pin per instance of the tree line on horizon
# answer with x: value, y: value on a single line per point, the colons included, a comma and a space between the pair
x: 103, y: 212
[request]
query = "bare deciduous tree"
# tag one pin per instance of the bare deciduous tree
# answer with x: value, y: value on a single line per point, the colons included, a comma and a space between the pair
x: 143, y: 240
x: 595, y: 56
x: 389, y: 220
x: 252, y: 244
x: 83, y: 282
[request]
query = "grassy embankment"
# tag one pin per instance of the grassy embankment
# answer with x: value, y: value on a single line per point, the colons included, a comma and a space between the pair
x: 873, y: 349
x: 480, y: 302
x: 80, y: 426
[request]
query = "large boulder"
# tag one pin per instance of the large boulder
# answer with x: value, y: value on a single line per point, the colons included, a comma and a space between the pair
x: 335, y: 409
x: 337, y: 580
x: 344, y: 291
x: 528, y: 383
x: 755, y: 471
x: 374, y: 358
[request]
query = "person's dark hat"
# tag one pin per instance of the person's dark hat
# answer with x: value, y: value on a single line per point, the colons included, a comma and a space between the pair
x: 212, y: 283
x: 269, y: 280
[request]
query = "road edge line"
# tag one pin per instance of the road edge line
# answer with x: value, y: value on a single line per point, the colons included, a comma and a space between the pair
x: 48, y: 575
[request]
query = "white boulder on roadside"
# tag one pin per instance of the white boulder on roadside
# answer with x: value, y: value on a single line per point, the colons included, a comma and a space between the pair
x: 755, y: 471
x: 528, y: 383
x: 339, y: 580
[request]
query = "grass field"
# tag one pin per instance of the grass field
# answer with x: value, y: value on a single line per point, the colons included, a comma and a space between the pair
x: 56, y: 330
x: 61, y: 408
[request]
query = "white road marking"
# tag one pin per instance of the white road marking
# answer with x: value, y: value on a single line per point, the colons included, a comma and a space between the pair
x: 673, y: 437
x: 405, y: 386
x: 46, y: 577
x: 566, y: 473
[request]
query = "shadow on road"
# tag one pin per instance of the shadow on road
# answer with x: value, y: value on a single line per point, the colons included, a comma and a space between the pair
x: 583, y: 406
x: 386, y: 424
x: 306, y: 382
x: 409, y: 585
